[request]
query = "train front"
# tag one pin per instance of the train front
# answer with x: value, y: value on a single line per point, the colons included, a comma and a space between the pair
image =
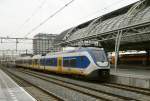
x: 100, y: 68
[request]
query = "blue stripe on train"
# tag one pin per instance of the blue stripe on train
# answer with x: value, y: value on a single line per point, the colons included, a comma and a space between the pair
x: 79, y: 62
x: 48, y: 62
x: 70, y: 62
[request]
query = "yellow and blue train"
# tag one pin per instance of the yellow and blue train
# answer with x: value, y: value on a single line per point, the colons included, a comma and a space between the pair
x: 90, y: 62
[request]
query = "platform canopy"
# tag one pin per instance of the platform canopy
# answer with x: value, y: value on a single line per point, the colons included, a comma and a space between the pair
x: 133, y: 22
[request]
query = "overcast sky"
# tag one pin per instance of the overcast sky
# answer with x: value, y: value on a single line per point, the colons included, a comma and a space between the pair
x: 13, y: 14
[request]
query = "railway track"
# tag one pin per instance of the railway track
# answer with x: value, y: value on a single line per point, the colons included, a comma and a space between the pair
x: 107, y: 92
x: 125, y: 91
x: 119, y: 86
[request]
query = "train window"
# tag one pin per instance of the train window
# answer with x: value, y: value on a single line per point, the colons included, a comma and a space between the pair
x: 99, y: 56
x: 51, y: 62
x: 73, y: 63
x: 81, y: 58
x: 69, y: 62
x: 47, y: 63
x: 42, y: 61
x: 66, y: 63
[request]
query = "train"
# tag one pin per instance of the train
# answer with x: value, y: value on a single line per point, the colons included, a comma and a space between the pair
x: 136, y: 58
x: 87, y: 62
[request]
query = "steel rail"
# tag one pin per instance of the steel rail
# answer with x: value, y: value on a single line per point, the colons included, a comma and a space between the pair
x: 129, y: 88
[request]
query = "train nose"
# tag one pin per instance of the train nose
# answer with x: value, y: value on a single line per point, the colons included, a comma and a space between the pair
x: 100, y: 74
x: 102, y: 63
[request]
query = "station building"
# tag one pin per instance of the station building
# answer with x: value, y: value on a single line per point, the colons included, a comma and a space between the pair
x: 44, y: 43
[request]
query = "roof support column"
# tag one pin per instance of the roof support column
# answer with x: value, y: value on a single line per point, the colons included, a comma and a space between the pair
x: 117, y: 46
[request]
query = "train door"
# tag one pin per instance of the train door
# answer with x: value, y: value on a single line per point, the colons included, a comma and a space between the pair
x: 59, y: 64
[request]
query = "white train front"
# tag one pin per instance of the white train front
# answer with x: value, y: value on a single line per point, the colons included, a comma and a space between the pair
x: 89, y: 62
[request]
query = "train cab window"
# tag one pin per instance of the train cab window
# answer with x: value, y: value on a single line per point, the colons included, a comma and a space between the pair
x: 99, y: 56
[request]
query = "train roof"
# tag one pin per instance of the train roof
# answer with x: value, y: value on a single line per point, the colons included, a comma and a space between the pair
x: 36, y: 56
x: 26, y: 57
x: 80, y: 49
x: 133, y: 53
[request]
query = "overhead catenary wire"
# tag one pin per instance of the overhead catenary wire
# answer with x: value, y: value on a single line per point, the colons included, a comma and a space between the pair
x: 48, y: 18
x: 33, y: 14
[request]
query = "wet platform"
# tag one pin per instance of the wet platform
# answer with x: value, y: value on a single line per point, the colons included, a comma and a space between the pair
x: 138, y: 77
x: 10, y: 91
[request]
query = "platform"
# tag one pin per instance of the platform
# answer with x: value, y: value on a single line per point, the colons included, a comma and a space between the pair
x: 132, y: 77
x: 10, y: 91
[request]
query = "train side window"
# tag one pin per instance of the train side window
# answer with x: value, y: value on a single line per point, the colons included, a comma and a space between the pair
x: 51, y: 62
x: 82, y: 58
x: 46, y: 62
x: 73, y: 63
x: 69, y: 63
x: 66, y: 63
x: 42, y: 61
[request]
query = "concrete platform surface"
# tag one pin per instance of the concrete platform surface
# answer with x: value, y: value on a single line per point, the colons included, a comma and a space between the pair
x: 10, y: 91
x: 131, y: 77
x: 138, y: 73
